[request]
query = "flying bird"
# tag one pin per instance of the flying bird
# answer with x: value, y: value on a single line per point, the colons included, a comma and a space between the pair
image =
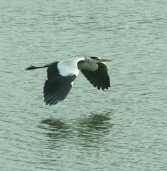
x: 61, y: 76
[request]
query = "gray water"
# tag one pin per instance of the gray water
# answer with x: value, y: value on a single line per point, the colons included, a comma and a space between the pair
x: 122, y: 129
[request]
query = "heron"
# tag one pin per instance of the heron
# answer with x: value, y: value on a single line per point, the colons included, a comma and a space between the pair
x: 62, y: 74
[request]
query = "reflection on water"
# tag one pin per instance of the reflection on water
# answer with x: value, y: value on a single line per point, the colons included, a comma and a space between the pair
x: 92, y: 129
x: 54, y: 123
x: 82, y: 131
x: 56, y: 128
x: 95, y: 123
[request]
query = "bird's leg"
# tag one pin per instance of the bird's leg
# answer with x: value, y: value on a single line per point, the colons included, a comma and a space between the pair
x: 35, y: 67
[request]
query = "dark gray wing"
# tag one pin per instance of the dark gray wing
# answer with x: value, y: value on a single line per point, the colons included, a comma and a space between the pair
x: 52, y: 70
x: 56, y: 87
x: 98, y: 78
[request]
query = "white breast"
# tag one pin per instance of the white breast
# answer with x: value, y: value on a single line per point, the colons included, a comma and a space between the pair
x: 69, y: 66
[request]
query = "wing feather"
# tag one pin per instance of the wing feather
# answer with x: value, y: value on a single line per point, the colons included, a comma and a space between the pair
x: 98, y: 78
x: 52, y: 70
x: 57, y: 86
x: 57, y: 89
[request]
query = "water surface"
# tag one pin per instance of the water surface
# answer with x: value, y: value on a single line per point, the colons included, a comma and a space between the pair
x: 123, y: 128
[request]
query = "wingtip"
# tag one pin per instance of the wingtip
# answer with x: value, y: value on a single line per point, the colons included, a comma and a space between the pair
x: 49, y: 102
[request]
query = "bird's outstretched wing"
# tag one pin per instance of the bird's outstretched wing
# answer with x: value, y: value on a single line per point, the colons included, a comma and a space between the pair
x: 52, y: 71
x: 56, y: 87
x: 98, y: 78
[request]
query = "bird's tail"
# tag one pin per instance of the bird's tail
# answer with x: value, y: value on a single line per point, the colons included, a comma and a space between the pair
x: 31, y: 67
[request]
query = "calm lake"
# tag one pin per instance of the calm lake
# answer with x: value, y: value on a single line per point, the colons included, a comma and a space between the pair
x: 122, y: 129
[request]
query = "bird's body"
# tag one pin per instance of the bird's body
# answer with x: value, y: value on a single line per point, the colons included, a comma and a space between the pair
x: 69, y: 66
x: 61, y: 76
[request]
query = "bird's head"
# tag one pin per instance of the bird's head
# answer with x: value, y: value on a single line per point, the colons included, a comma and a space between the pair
x: 90, y: 63
x: 99, y: 60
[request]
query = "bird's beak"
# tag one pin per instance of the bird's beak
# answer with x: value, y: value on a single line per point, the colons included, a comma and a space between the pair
x: 104, y: 60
